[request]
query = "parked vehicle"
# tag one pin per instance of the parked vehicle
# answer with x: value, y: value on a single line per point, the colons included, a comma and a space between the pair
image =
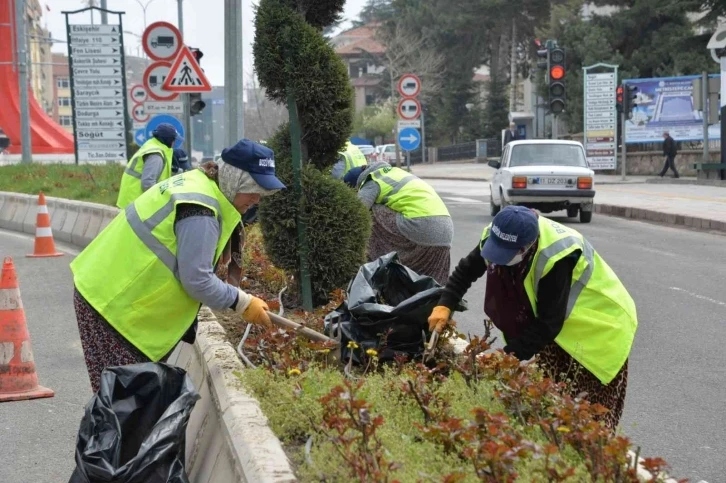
x: 386, y: 152
x: 368, y: 151
x: 547, y: 175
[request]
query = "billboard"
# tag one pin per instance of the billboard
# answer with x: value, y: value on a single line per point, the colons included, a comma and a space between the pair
x: 666, y: 104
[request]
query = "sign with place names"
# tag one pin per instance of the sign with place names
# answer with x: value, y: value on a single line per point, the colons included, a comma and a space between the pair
x: 98, y: 84
x: 601, y: 122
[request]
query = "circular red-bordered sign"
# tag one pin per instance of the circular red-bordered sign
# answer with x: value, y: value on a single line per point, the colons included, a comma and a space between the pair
x: 161, y: 41
x: 140, y: 116
x: 409, y: 85
x: 154, y: 77
x: 138, y: 94
x: 409, y: 109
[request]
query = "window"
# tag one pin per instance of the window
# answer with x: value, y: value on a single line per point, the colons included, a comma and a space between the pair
x: 64, y: 101
x: 370, y: 99
x: 65, y: 120
x: 547, y: 155
x: 63, y: 83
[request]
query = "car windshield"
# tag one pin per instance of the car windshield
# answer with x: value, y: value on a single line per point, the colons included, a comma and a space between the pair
x: 547, y: 155
x: 367, y: 149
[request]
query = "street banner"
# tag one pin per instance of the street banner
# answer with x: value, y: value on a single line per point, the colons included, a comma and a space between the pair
x: 666, y: 104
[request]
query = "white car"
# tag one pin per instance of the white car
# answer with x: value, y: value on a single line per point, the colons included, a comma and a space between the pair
x: 386, y: 152
x: 547, y: 175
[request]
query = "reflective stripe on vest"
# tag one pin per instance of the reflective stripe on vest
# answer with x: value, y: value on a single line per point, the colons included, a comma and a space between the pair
x: 129, y: 273
x: 407, y: 194
x: 600, y: 322
x: 130, y: 188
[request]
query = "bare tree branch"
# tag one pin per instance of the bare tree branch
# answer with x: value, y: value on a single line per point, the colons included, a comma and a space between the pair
x: 263, y: 116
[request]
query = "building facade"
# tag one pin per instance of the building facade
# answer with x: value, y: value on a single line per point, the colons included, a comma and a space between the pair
x: 364, y: 56
x: 39, y: 55
x: 61, y: 111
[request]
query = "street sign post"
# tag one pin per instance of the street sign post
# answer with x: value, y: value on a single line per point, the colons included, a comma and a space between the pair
x: 165, y: 118
x: 98, y: 88
x: 600, y: 116
x: 409, y: 139
x: 409, y: 109
x: 409, y: 86
x: 185, y: 75
x: 154, y: 77
x: 161, y: 41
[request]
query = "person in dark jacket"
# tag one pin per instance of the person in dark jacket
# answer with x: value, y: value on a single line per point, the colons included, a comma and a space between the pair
x: 180, y: 162
x: 670, y: 152
x: 550, y: 294
x: 511, y: 134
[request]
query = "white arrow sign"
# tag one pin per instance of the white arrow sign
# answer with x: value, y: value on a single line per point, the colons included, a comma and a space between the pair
x: 99, y: 113
x: 98, y: 103
x: 95, y: 29
x: 94, y: 51
x: 101, y: 145
x: 97, y: 71
x: 101, y: 155
x: 97, y: 93
x: 97, y: 82
x: 410, y: 138
x: 100, y: 134
x: 95, y: 39
x: 99, y: 123
x: 96, y: 62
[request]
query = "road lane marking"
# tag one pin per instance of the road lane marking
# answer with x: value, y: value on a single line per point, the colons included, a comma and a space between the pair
x: 463, y: 200
x: 699, y: 297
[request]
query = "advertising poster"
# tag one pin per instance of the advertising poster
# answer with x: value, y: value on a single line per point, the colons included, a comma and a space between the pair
x: 666, y: 104
x: 601, y: 123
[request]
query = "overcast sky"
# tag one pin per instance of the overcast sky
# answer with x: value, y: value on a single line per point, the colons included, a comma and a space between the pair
x: 203, y: 25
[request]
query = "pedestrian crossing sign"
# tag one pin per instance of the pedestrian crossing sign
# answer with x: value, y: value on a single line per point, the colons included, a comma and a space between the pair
x: 185, y: 74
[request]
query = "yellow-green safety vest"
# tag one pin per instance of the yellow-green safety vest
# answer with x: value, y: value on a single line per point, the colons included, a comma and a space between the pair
x: 131, y: 179
x: 601, y: 319
x: 129, y: 273
x: 354, y: 157
x: 407, y: 194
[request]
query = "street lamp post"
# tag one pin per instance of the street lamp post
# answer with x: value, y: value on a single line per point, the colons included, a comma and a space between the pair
x: 144, y: 7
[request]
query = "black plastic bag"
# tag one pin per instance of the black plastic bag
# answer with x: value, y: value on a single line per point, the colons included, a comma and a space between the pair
x: 134, y: 427
x: 387, y: 309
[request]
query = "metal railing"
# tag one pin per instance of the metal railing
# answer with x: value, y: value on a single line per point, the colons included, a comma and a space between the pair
x: 457, y: 152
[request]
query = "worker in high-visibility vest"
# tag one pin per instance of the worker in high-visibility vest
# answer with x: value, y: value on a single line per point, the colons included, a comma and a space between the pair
x: 551, y: 294
x: 151, y: 163
x: 408, y: 218
x: 351, y: 158
x: 141, y: 281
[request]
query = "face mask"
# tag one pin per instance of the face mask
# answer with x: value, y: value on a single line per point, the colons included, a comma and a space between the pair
x: 517, y: 259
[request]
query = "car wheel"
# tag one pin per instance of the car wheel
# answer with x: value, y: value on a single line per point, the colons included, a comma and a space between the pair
x: 493, y: 209
x: 572, y: 211
x: 585, y: 216
x: 502, y: 202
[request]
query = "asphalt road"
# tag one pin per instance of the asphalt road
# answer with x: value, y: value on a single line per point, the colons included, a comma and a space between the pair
x: 39, y: 436
x: 676, y: 399
x: 676, y: 395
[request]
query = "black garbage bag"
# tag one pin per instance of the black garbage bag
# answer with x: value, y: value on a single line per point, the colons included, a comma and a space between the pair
x: 134, y: 427
x: 387, y: 309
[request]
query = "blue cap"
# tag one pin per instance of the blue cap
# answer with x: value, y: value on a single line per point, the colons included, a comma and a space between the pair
x: 166, y: 133
x: 257, y: 160
x: 351, y: 177
x: 512, y: 229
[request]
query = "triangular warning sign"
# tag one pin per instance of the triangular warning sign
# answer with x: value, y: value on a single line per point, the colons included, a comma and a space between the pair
x: 185, y: 74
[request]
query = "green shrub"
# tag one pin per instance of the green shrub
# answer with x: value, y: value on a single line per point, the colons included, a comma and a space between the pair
x: 291, y: 54
x: 338, y: 230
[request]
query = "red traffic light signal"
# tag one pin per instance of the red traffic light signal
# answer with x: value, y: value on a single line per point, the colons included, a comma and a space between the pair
x: 619, y: 94
x: 557, y: 72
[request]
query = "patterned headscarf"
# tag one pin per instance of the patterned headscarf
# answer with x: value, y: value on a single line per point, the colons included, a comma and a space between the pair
x: 234, y: 180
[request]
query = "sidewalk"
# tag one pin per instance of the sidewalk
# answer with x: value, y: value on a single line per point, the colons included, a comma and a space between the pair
x: 677, y: 204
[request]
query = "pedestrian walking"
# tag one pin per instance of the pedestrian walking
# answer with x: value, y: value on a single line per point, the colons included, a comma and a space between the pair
x: 408, y: 218
x: 151, y: 163
x: 551, y: 294
x: 140, y: 283
x: 670, y: 152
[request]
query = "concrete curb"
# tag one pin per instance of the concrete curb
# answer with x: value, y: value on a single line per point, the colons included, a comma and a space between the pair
x: 660, y: 217
x: 228, y: 438
x: 700, y: 182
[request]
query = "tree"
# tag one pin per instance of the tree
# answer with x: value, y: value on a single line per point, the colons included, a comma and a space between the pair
x: 265, y: 117
x: 375, y: 121
x: 292, y: 56
x: 375, y: 11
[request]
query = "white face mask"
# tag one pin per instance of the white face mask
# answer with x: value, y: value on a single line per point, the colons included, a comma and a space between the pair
x: 517, y: 259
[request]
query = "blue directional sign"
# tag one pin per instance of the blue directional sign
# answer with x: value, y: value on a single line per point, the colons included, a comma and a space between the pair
x: 166, y: 118
x: 140, y: 136
x: 409, y: 139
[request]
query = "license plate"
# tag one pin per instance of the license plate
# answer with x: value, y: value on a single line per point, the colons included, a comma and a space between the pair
x: 550, y: 181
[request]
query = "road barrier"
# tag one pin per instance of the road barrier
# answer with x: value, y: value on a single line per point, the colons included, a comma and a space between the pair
x: 228, y: 437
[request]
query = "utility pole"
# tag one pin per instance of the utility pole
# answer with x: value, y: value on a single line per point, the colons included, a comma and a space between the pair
x: 234, y: 106
x: 22, y: 41
x: 186, y: 117
x: 513, y: 69
x: 104, y: 14
x: 423, y: 135
x: 624, y: 152
x: 705, y: 91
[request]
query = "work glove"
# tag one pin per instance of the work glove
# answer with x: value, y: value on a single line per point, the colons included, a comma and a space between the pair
x: 253, y: 309
x: 438, y: 319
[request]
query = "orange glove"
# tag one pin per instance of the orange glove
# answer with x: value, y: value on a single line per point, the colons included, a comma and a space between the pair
x: 438, y: 319
x: 256, y: 313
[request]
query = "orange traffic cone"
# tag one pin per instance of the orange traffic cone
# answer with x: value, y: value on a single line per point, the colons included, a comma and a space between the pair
x: 44, y: 244
x: 18, y: 380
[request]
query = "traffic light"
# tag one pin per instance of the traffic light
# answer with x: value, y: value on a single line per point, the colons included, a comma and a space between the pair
x: 629, y: 97
x: 619, y: 98
x: 543, y: 56
x: 557, y: 71
x: 196, y: 104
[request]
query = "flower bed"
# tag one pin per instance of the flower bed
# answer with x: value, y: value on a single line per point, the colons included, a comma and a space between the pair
x: 477, y: 416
